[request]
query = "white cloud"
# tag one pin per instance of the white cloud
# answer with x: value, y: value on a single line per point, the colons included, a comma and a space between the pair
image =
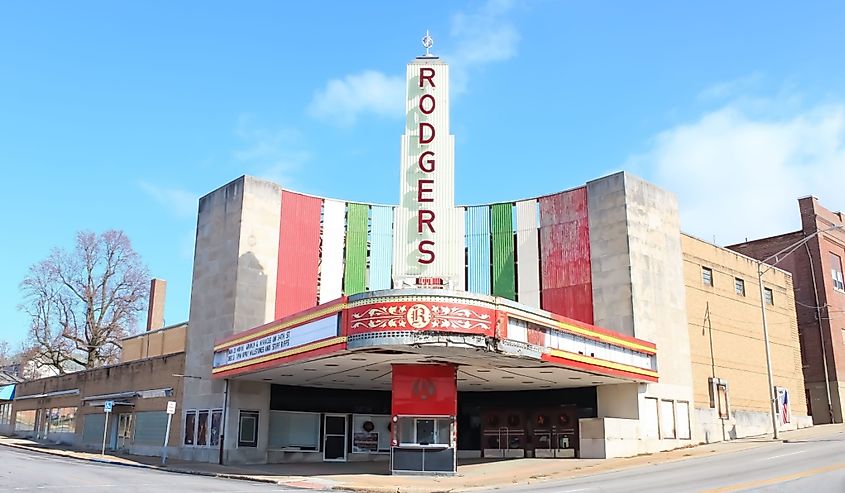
x: 482, y: 36
x: 478, y: 37
x: 731, y: 88
x: 272, y: 154
x: 343, y: 100
x: 178, y: 201
x: 738, y: 173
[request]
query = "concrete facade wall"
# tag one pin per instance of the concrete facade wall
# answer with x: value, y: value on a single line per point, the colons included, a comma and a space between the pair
x: 737, y: 354
x: 233, y: 289
x: 638, y: 290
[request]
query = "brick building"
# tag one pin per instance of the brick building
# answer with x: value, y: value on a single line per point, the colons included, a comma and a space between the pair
x: 816, y: 268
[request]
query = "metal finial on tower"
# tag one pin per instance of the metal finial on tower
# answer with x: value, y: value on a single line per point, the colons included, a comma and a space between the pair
x: 427, y: 43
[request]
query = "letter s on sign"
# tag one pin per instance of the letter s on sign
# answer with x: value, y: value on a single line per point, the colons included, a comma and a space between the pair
x: 429, y: 254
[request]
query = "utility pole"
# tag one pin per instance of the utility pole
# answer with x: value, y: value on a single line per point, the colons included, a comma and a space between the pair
x: 777, y: 257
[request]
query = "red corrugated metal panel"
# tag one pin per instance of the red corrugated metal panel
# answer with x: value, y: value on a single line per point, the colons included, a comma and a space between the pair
x: 565, y: 270
x: 299, y: 253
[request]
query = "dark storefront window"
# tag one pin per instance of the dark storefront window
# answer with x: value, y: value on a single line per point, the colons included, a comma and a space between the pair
x: 216, y: 420
x: 202, y: 428
x: 190, y: 426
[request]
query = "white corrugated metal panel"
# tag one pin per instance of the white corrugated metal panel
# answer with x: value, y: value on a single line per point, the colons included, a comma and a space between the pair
x: 527, y: 253
x: 381, y: 247
x: 331, y: 260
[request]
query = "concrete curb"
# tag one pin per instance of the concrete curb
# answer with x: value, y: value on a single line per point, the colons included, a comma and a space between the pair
x: 56, y: 453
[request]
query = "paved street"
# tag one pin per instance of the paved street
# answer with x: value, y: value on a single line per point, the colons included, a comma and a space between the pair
x: 21, y: 470
x: 813, y: 465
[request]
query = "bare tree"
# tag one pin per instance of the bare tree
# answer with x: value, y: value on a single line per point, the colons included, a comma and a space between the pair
x: 82, y: 302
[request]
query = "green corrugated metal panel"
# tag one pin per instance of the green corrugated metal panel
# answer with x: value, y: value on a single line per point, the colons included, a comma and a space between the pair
x: 503, y: 265
x: 355, y: 272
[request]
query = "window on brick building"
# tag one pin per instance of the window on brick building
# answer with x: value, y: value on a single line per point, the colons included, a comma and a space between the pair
x: 739, y: 285
x: 769, y: 296
x: 836, y: 272
x: 707, y: 276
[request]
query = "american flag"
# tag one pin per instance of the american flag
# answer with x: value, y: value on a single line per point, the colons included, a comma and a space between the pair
x: 784, y: 408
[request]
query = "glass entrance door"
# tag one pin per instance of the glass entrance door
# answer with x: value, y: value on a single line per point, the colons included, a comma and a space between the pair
x: 334, y: 438
x: 124, y: 431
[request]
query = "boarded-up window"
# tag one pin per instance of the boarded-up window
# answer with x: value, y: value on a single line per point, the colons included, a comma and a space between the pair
x: 92, y: 428
x: 682, y: 419
x: 248, y: 429
x: 150, y: 428
x: 667, y: 419
x: 722, y: 400
x: 648, y: 420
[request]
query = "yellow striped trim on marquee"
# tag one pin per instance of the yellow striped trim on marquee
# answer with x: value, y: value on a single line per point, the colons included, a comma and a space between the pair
x: 581, y: 331
x: 281, y: 326
x: 290, y: 352
x: 601, y: 362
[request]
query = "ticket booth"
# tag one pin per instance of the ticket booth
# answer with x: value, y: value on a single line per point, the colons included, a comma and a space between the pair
x: 424, y: 419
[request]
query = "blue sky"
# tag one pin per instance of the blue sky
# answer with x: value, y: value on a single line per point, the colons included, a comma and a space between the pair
x: 120, y: 115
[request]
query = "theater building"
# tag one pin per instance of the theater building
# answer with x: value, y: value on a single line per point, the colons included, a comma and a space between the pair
x: 329, y: 330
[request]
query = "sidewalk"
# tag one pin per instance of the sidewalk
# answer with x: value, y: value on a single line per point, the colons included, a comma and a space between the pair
x: 373, y: 477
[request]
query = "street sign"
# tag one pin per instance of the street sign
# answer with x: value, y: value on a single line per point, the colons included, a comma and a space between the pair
x: 107, y: 407
x: 171, y: 410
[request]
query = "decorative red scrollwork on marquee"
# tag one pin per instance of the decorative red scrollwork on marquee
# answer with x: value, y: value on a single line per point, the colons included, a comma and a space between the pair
x: 445, y: 317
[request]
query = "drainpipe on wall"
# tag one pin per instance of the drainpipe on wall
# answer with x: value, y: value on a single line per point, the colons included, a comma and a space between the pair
x: 821, y: 335
x: 223, y: 422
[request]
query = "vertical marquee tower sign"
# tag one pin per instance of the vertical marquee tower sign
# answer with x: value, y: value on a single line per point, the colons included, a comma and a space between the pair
x: 429, y: 229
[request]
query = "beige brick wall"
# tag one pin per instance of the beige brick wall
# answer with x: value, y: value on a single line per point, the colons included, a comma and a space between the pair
x: 737, y: 352
x: 161, y: 342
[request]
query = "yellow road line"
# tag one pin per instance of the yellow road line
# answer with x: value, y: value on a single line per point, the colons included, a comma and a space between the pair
x: 776, y: 480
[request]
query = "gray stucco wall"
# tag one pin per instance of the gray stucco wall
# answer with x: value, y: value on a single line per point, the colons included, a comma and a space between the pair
x: 638, y: 289
x: 233, y: 289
